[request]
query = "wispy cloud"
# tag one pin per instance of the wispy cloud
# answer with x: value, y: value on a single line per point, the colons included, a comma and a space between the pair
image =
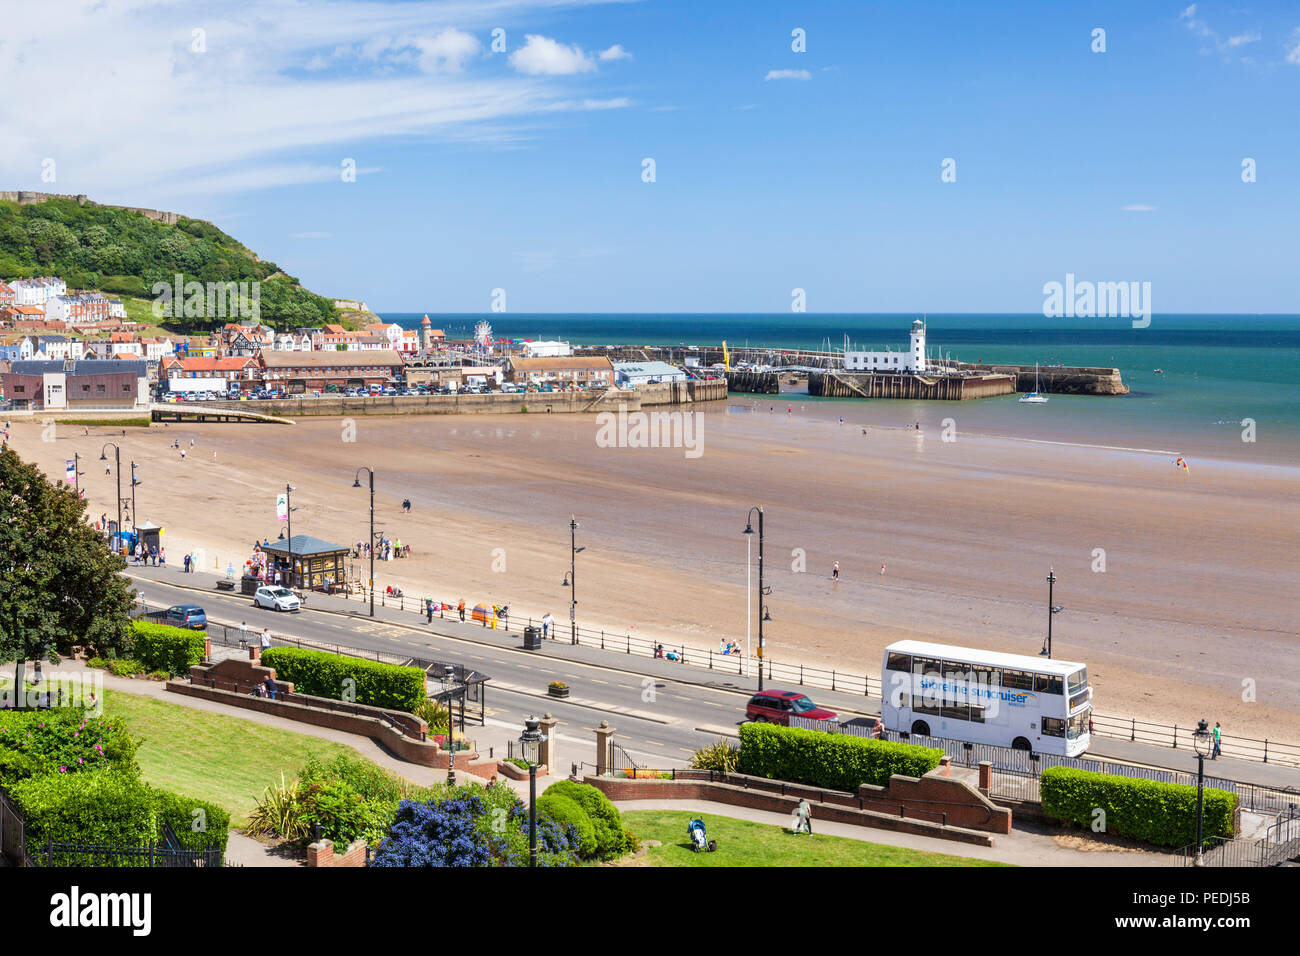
x: 250, y: 94
x: 1222, y: 45
x: 616, y: 52
x: 788, y: 75
x: 1293, y: 47
x: 542, y: 56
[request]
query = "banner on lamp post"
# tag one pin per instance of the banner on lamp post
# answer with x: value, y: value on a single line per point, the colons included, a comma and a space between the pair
x: 70, y: 476
x: 281, y: 507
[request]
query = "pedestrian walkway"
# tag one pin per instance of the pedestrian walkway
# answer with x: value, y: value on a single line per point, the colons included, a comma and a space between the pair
x: 1021, y: 847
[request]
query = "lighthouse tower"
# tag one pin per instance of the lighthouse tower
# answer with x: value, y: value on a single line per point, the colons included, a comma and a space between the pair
x: 916, y: 358
x: 426, y: 334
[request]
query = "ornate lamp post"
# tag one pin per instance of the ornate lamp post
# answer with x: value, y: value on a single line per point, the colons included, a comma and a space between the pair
x: 356, y: 483
x: 1201, y: 741
x: 531, y: 743
x: 571, y: 579
x: 762, y: 591
x: 449, y: 681
x: 135, y: 515
x: 117, y: 467
x: 1051, y: 609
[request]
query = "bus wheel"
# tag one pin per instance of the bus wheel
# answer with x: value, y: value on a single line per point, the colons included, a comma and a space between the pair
x: 1021, y: 743
x: 921, y: 728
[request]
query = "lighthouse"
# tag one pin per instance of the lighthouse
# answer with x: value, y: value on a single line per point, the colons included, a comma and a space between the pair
x: 918, y: 346
x: 426, y: 334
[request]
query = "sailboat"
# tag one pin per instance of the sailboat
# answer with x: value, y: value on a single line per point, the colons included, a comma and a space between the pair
x: 1034, y: 398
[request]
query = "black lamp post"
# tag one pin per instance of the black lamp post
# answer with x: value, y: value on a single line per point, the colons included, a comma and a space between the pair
x: 449, y: 680
x: 356, y: 483
x: 117, y: 458
x: 135, y: 515
x: 1201, y: 741
x: 762, y: 591
x: 288, y: 517
x: 76, y: 472
x: 571, y: 579
x: 1051, y: 609
x: 531, y: 744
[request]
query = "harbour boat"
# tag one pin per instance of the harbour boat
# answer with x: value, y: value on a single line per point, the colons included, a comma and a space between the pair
x: 1033, y: 398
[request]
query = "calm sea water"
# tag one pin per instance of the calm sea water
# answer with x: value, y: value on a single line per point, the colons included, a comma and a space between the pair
x: 1218, y: 370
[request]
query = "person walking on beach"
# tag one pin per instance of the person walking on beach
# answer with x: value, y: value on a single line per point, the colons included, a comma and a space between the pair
x: 882, y: 570
x: 835, y: 572
x: 461, y: 608
x: 1218, y: 741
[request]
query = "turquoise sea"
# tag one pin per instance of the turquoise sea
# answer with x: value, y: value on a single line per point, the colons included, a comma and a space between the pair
x: 1218, y: 370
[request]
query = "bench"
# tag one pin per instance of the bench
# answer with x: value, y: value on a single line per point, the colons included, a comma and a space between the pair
x: 225, y: 585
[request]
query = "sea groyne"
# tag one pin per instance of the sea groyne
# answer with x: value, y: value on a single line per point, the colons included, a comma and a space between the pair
x: 1060, y: 379
x: 951, y: 388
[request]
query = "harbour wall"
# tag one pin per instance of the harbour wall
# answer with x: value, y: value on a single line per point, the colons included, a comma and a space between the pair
x: 1061, y: 380
x: 545, y: 403
x: 950, y: 388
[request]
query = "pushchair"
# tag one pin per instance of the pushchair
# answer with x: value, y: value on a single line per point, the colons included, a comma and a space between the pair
x: 699, y: 839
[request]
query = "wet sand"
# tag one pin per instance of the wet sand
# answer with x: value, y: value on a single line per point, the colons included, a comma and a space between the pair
x: 1197, y: 593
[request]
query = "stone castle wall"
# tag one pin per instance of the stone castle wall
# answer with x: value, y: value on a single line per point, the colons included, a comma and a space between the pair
x: 26, y: 198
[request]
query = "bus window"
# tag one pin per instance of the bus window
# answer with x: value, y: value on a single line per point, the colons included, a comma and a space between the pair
x: 1053, y: 727
x: 1048, y: 684
x: 925, y: 665
x: 1077, y: 726
x: 1017, y: 680
x: 899, y: 662
x: 955, y: 711
x: 1077, y: 681
x: 955, y: 671
x: 986, y: 676
x: 976, y: 714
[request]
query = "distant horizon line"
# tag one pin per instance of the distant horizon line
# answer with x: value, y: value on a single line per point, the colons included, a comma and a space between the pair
x: 489, y: 314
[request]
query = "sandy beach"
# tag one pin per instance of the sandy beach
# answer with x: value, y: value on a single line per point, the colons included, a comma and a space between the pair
x: 1196, y: 597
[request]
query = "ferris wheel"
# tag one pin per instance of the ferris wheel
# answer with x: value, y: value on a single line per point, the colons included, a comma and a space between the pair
x: 483, y: 335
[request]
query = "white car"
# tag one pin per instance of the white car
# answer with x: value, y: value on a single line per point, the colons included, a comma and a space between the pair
x: 277, y: 599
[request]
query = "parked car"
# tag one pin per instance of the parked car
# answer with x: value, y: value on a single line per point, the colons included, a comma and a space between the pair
x: 776, y: 706
x: 186, y: 615
x: 277, y: 599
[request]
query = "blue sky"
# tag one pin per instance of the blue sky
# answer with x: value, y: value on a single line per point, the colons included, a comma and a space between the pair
x: 774, y: 169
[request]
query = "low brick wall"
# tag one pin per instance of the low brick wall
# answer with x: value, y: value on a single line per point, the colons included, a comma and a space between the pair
x: 933, y: 805
x: 426, y: 753
x: 322, y: 854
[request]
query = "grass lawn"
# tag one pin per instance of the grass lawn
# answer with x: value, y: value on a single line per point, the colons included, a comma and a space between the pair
x: 212, y: 756
x: 744, y: 843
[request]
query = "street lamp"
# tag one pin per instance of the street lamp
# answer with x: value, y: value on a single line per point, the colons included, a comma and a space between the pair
x: 762, y: 591
x: 531, y: 744
x: 571, y: 579
x: 356, y: 483
x: 449, y: 681
x: 1051, y: 609
x: 288, y: 517
x: 1201, y: 741
x: 135, y: 515
x: 117, y: 458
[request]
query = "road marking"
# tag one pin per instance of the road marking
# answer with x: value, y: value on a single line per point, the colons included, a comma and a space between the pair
x: 678, y: 697
x: 597, y: 680
x: 687, y: 750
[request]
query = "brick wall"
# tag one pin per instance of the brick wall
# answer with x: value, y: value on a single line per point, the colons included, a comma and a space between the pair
x: 933, y: 805
x: 322, y: 854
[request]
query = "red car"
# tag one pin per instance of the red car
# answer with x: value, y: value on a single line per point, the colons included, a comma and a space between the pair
x: 776, y: 706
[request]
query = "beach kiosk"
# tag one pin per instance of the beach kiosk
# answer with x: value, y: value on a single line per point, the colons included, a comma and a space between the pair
x: 150, y: 534
x: 305, y: 562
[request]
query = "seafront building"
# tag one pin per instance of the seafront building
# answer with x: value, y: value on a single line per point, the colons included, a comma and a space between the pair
x: 48, y: 385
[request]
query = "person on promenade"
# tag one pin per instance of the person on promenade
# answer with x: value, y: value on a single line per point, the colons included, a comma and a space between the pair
x: 266, y: 638
x: 1218, y: 741
x: 243, y: 634
x: 186, y: 562
x: 547, y: 621
x: 162, y: 557
x: 461, y: 608
x: 428, y: 610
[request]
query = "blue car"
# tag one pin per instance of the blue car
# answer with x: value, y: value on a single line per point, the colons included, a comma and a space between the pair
x: 186, y: 615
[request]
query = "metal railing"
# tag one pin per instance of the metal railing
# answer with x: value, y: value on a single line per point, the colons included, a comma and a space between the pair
x: 1280, y: 844
x: 1259, y: 750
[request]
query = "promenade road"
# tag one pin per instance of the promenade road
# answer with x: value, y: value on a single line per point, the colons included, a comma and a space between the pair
x: 662, y: 711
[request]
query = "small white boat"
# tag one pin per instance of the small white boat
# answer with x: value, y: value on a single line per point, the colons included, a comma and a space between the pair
x: 1033, y: 398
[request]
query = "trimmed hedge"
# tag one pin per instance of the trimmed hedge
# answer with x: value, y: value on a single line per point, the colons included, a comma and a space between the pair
x: 833, y: 761
x: 113, y: 809
x: 62, y: 741
x: 566, y: 812
x: 1148, y: 810
x: 162, y: 647
x: 612, y: 839
x: 321, y: 674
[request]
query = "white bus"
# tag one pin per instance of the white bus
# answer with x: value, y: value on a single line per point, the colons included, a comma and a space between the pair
x: 984, y: 697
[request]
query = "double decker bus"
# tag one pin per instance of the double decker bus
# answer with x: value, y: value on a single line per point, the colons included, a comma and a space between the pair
x: 985, y: 697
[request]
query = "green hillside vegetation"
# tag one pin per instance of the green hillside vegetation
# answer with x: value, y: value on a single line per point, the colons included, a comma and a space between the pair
x: 125, y: 253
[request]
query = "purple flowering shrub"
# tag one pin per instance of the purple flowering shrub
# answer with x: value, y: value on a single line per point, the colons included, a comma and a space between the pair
x: 62, y: 740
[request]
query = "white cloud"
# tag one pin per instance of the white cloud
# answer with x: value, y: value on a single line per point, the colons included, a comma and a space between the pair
x: 1244, y: 38
x: 788, y: 75
x: 278, y: 97
x: 1293, y: 52
x: 447, y: 52
x: 1138, y: 207
x: 1224, y: 46
x: 616, y: 52
x: 542, y: 56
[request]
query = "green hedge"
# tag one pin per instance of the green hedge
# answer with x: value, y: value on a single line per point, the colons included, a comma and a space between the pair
x: 161, y: 647
x: 834, y: 761
x: 116, y: 809
x: 62, y: 741
x: 1148, y: 810
x: 566, y: 812
x: 321, y: 674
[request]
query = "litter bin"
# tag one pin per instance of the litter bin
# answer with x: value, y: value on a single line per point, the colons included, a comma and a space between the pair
x: 532, y: 638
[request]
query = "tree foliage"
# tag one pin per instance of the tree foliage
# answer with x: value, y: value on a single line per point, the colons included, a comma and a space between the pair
x: 116, y: 251
x: 59, y: 585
